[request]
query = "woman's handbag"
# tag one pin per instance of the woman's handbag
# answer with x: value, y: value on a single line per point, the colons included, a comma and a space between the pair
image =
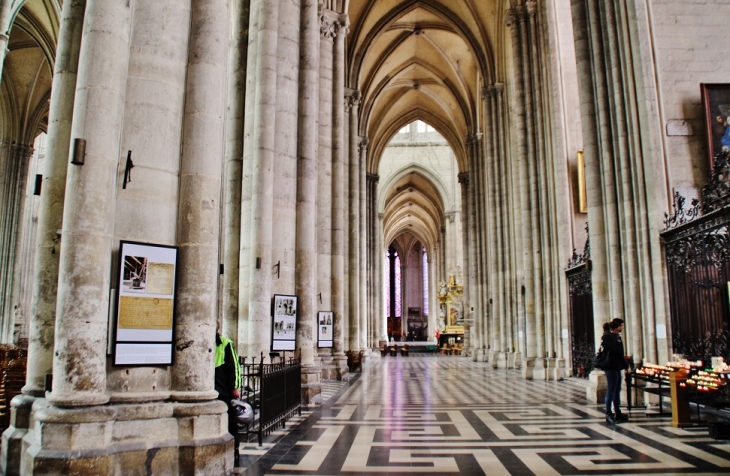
x: 601, y: 361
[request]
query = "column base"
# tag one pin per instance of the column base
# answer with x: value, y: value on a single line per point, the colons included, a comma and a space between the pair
x: 480, y: 355
x: 514, y: 360
x: 12, y: 439
x: 596, y: 389
x: 540, y: 369
x: 502, y: 360
x: 163, y: 437
x: 342, y: 373
x: 557, y: 370
x: 194, y: 396
x: 528, y: 368
x: 326, y: 364
x: 80, y: 399
x: 311, y: 386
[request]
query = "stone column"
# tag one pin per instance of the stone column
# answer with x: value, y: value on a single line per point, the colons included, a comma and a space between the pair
x: 492, y: 209
x: 466, y: 256
x: 16, y: 177
x: 50, y: 214
x: 594, y: 191
x: 198, y: 211
x: 5, y: 19
x: 380, y: 252
x: 50, y: 209
x: 363, y: 255
x: 263, y: 144
x: 354, y: 210
x: 237, y: 66
x: 537, y: 331
x: 327, y: 20
x: 306, y: 240
x: 340, y: 289
x: 471, y: 253
x: 527, y: 297
x: 79, y: 367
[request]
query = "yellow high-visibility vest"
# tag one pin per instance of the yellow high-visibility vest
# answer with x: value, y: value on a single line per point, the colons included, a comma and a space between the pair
x: 220, y: 357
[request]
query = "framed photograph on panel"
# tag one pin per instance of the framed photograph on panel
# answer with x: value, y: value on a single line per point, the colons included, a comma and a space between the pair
x: 716, y: 102
x: 284, y: 326
x: 145, y: 304
x: 325, y: 328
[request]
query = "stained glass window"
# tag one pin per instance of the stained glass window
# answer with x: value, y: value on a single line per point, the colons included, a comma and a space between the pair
x: 425, y: 283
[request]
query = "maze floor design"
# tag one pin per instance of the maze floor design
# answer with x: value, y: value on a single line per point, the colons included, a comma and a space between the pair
x: 442, y: 416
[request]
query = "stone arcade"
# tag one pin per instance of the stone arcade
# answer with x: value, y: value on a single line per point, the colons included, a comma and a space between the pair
x: 299, y: 147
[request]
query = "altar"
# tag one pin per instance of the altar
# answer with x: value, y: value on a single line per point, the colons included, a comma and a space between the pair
x: 451, y: 311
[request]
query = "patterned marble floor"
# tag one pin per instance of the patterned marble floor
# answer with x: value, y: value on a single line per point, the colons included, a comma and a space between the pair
x: 449, y: 416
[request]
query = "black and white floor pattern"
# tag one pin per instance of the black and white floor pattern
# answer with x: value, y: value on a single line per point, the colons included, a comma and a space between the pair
x: 449, y: 416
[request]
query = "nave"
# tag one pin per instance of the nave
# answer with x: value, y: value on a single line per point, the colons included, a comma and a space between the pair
x: 449, y: 415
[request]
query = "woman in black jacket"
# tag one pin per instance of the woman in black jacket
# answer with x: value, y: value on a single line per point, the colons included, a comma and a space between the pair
x: 611, y: 342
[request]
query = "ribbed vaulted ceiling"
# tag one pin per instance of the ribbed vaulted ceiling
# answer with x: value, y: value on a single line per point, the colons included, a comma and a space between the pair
x: 427, y: 60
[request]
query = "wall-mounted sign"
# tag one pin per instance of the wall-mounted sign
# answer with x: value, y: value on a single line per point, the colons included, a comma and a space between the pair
x: 145, y: 311
x: 284, y: 328
x: 325, y: 328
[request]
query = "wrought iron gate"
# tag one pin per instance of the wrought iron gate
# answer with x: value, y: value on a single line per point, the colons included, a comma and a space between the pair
x: 582, y: 344
x: 697, y: 254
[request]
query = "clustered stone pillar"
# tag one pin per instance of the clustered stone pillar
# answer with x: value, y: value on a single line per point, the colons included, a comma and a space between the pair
x: 16, y: 174
x: 306, y: 244
x: 327, y: 20
x: 340, y: 290
x: 538, y: 295
x: 354, y: 207
x: 622, y: 221
x: 362, y: 179
x: 375, y: 257
x: 466, y: 239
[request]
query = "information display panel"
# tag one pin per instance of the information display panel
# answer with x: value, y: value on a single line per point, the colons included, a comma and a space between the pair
x: 145, y: 308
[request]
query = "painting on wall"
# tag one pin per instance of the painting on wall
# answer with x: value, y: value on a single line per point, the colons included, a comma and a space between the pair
x: 716, y: 102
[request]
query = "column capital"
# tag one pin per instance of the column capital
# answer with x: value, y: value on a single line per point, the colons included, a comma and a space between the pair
x: 363, y: 142
x: 353, y: 99
x: 522, y: 13
x: 511, y: 18
x: 531, y: 7
x: 343, y: 24
x: 328, y: 24
x: 471, y: 139
x: 24, y: 152
x: 463, y: 178
x: 372, y: 178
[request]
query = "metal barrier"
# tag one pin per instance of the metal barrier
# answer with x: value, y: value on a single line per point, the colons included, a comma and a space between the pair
x: 273, y: 390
